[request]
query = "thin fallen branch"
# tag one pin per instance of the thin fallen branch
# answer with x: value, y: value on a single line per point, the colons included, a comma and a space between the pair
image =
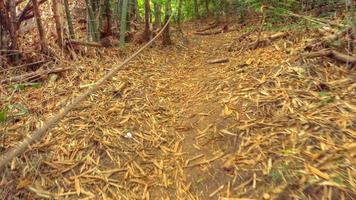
x: 217, y: 61
x: 316, y: 20
x: 214, y: 25
x: 332, y: 54
x: 88, y: 44
x: 240, y: 38
x: 39, y: 133
x: 210, y: 32
x: 266, y: 41
x: 33, y: 75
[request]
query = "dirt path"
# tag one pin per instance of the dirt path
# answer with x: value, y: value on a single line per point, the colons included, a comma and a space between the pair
x: 171, y: 126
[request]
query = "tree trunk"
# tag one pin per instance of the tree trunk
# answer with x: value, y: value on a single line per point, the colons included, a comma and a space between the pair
x: 92, y: 25
x: 157, y: 15
x: 58, y: 23
x: 196, y: 9
x: 179, y: 20
x: 108, y: 17
x: 123, y: 23
x: 147, y: 32
x: 166, y: 38
x: 69, y: 20
x: 129, y: 15
x: 15, y: 56
x: 43, y: 41
x: 137, y: 16
x: 207, y: 8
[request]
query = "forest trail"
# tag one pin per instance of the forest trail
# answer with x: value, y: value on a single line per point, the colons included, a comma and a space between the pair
x: 171, y: 126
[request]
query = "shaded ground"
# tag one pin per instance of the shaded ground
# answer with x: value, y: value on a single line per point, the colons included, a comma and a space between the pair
x: 170, y: 126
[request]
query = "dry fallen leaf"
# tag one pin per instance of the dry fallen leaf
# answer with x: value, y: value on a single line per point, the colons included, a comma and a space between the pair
x: 317, y: 172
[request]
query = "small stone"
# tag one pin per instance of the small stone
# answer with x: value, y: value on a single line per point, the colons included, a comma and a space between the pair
x: 266, y: 196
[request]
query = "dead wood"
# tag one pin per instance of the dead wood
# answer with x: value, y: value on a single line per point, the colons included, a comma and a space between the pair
x: 266, y: 41
x: 332, y: 54
x: 240, y: 38
x: 35, y: 74
x: 88, y: 44
x: 210, y: 32
x: 217, y: 61
x: 214, y: 25
x: 316, y: 20
x: 327, y: 39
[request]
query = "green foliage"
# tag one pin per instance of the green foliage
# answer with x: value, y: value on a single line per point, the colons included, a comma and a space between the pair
x: 3, y: 115
x: 326, y: 97
x: 22, y: 86
x: 12, y: 110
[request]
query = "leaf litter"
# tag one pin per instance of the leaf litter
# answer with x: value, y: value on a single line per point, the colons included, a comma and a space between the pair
x: 263, y: 124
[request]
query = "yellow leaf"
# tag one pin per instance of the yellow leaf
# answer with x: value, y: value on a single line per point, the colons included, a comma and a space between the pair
x: 23, y: 184
x: 227, y: 111
x: 318, y: 172
x: 249, y: 61
x: 77, y: 185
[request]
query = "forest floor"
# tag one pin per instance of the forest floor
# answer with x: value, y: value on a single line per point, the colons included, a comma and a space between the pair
x: 264, y: 125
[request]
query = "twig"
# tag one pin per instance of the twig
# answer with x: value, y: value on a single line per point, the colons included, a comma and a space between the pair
x: 32, y: 75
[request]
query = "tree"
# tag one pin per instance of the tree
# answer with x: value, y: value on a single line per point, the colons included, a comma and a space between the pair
x: 166, y: 38
x: 43, y: 41
x: 147, y: 32
x: 180, y: 6
x: 57, y: 22
x: 207, y: 8
x: 69, y: 20
x: 123, y: 23
x: 196, y: 9
x: 12, y: 26
x: 157, y: 14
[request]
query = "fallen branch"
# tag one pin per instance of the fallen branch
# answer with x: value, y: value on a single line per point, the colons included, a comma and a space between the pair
x: 224, y: 29
x: 329, y: 38
x: 332, y: 54
x: 88, y: 44
x: 217, y: 61
x: 214, y: 25
x: 316, y: 20
x: 266, y: 41
x: 241, y: 37
x: 39, y: 133
x: 209, y: 33
x: 33, y: 75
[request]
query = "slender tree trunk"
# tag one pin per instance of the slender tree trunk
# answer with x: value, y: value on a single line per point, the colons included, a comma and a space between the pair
x: 92, y: 25
x: 58, y: 23
x: 147, y: 32
x: 157, y: 15
x: 207, y: 7
x: 179, y: 20
x: 166, y: 38
x: 69, y: 20
x: 123, y: 23
x: 15, y: 56
x: 136, y: 11
x: 196, y: 9
x: 129, y: 15
x: 43, y: 41
x: 108, y: 17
